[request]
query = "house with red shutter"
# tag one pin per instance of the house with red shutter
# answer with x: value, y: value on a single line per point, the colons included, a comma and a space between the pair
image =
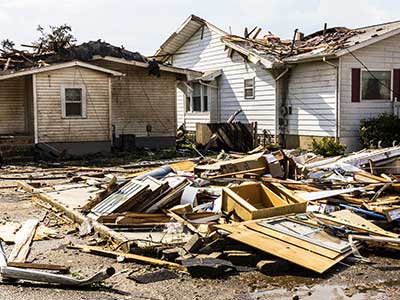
x: 312, y: 86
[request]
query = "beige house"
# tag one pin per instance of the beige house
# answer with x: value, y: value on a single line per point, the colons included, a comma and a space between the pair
x: 86, y: 107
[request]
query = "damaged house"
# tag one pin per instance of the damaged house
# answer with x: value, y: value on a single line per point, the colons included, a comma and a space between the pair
x: 86, y: 98
x: 313, y: 86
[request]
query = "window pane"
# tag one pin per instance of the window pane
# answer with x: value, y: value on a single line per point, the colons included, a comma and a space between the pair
x: 376, y: 85
x: 205, y: 103
x: 73, y: 95
x: 187, y: 104
x: 248, y: 83
x: 196, y: 89
x: 248, y: 93
x: 196, y: 103
x: 73, y: 109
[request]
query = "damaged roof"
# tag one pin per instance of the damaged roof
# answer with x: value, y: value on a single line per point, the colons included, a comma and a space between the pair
x: 13, y: 62
x: 334, y: 41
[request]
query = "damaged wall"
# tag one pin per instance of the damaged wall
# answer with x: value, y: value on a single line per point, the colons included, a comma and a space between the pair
x: 52, y: 126
x: 205, y: 51
x: 311, y: 103
x: 141, y: 101
x: 12, y: 106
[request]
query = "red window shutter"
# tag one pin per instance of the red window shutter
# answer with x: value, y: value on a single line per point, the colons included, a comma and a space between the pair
x: 396, y: 84
x: 355, y: 85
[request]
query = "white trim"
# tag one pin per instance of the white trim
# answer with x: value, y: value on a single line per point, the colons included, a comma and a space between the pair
x: 368, y: 42
x: 83, y: 100
x: 35, y: 111
x: 59, y: 66
x: 253, y: 88
x: 391, y: 85
x: 146, y: 65
x: 110, y: 108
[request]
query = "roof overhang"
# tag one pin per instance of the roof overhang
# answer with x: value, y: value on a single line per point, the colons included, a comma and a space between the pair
x: 251, y: 56
x: 368, y: 42
x: 188, y: 72
x: 58, y: 67
x: 177, y: 39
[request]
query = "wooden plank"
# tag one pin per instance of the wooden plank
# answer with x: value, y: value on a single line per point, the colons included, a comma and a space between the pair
x: 354, y: 221
x: 51, y: 267
x: 287, y: 251
x: 128, y: 256
x: 79, y: 218
x: 23, y: 240
x: 294, y: 241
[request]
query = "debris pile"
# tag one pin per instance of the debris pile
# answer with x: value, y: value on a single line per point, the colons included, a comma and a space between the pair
x: 234, y: 213
x: 326, y: 42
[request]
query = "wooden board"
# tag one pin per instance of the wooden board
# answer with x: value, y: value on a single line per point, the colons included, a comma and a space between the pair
x: 23, y: 240
x: 354, y: 221
x: 287, y: 251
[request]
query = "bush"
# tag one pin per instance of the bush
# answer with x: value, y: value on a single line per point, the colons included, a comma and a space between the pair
x: 327, y: 146
x: 385, y: 128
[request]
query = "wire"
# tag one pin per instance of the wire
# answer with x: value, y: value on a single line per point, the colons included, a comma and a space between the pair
x: 373, y: 76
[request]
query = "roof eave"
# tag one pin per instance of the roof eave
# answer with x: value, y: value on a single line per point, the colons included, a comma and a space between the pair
x: 368, y: 42
x: 54, y: 67
x: 170, y: 69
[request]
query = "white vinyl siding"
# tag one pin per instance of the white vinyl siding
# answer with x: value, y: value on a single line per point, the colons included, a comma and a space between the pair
x: 312, y: 98
x: 383, y: 55
x: 209, y: 54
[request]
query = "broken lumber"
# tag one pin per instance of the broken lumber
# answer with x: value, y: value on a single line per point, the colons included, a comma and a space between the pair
x: 78, y: 217
x: 128, y: 256
x: 51, y: 267
x: 23, y: 240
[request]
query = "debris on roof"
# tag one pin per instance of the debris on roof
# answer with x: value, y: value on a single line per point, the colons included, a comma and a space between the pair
x: 13, y: 59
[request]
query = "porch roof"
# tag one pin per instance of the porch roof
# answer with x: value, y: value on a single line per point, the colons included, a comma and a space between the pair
x: 53, y: 67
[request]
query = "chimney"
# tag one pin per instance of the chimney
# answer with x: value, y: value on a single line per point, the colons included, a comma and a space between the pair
x: 299, y: 36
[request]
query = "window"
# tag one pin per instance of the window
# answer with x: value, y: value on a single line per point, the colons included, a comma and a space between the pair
x: 73, y: 101
x: 249, y: 88
x: 376, y: 85
x: 198, y: 101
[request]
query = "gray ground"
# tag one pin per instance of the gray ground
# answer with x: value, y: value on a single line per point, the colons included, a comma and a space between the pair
x: 379, y: 280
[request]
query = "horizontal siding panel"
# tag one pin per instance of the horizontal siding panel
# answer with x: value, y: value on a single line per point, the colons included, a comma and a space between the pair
x: 312, y: 96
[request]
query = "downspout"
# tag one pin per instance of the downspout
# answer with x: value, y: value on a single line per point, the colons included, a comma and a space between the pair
x: 337, y: 104
x: 35, y: 111
x: 278, y: 104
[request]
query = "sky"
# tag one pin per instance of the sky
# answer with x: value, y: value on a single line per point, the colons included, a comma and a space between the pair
x: 144, y: 25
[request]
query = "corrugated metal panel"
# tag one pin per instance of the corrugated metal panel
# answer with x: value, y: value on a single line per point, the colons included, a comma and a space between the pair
x: 120, y: 198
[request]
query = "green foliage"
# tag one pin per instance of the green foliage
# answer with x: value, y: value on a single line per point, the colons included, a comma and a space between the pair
x: 327, y: 146
x: 57, y: 38
x: 384, y: 128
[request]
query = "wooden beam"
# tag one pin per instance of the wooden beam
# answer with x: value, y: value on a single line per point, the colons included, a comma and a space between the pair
x: 128, y: 256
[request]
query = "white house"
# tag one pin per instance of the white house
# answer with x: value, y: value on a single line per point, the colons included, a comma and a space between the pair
x: 323, y: 84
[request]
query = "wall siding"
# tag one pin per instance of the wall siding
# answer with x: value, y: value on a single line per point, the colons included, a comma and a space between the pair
x: 52, y: 127
x: 12, y: 106
x: 209, y: 54
x: 139, y: 99
x: 383, y: 55
x: 312, y: 96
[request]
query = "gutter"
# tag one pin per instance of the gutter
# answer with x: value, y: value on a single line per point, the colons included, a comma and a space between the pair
x: 278, y: 104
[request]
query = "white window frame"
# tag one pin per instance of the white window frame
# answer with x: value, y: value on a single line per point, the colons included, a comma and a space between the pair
x: 391, y: 85
x: 253, y: 88
x: 190, y: 110
x: 63, y: 87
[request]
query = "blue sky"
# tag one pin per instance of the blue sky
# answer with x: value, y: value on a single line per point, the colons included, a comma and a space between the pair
x: 143, y: 25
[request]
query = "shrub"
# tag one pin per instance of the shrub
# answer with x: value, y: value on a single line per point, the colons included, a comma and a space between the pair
x: 327, y: 146
x: 384, y: 128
